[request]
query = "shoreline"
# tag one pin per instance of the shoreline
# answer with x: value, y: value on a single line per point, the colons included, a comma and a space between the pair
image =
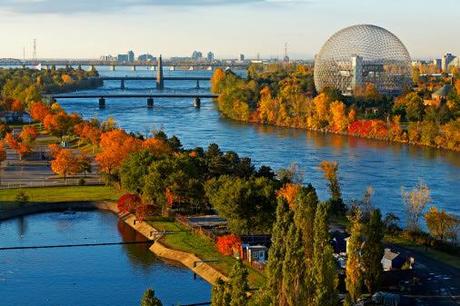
x: 191, y: 261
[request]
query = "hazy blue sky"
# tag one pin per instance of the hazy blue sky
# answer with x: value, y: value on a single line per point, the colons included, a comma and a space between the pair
x: 90, y: 28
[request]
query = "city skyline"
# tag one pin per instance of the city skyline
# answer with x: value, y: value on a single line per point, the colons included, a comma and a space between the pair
x: 176, y: 28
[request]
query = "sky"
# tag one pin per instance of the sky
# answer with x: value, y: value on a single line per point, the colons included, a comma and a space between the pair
x: 91, y: 28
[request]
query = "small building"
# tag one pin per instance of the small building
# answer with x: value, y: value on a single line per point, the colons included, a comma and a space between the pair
x: 392, y: 260
x: 254, y: 253
x: 15, y: 117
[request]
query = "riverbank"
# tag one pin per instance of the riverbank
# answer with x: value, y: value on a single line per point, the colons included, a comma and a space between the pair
x: 211, y: 267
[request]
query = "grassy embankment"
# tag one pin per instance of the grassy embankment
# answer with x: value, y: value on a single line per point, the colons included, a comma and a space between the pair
x: 202, y: 247
x: 58, y: 194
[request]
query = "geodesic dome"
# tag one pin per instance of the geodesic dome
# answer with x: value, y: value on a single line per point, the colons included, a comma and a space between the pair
x: 362, y: 54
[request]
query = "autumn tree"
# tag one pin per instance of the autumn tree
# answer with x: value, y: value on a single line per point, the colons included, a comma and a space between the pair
x: 330, y: 170
x: 338, y: 117
x: 38, y: 111
x: 115, y: 146
x: 289, y: 192
x: 28, y: 134
x: 442, y: 225
x: 65, y: 163
x: 2, y: 158
x: 353, y: 269
x: 415, y: 202
x: 228, y: 244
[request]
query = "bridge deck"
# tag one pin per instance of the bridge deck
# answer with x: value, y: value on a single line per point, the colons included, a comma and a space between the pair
x: 132, y: 96
x: 153, y: 78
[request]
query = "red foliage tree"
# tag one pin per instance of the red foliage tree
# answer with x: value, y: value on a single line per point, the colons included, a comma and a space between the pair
x: 143, y: 211
x: 128, y: 203
x: 228, y: 244
x: 28, y: 134
x: 17, y: 106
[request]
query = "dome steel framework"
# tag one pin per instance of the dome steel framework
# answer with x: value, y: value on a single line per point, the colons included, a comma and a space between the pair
x: 362, y: 54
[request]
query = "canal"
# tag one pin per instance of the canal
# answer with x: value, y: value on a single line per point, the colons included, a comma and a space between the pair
x: 105, y: 275
x: 386, y: 167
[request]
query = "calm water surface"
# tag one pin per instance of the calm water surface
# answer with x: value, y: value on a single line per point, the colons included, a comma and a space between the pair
x: 386, y: 167
x: 107, y: 275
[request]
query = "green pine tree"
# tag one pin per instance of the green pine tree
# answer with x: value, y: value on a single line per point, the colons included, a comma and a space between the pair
x: 277, y: 251
x: 149, y: 299
x: 239, y: 284
x: 324, y: 264
x: 373, y: 251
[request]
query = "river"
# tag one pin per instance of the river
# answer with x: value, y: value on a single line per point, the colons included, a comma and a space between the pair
x: 103, y: 275
x: 386, y: 167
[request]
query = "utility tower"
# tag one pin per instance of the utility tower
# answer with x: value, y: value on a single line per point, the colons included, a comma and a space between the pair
x: 286, y: 57
x: 34, y: 56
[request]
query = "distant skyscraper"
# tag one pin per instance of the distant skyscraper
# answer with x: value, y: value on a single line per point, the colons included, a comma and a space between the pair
x: 197, y: 55
x: 286, y: 57
x: 445, y: 61
x: 210, y: 56
x: 242, y: 57
x: 130, y: 56
x: 146, y: 58
x: 437, y: 62
x: 122, y: 58
x: 34, y: 55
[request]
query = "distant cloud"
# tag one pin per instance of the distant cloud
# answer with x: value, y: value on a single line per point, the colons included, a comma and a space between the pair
x: 83, y: 6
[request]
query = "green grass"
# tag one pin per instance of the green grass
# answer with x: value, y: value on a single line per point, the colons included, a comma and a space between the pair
x: 186, y: 241
x: 443, y: 257
x: 59, y: 194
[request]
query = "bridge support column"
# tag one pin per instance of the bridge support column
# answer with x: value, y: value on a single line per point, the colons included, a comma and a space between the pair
x: 122, y: 86
x: 197, y: 102
x: 101, y: 103
x: 134, y: 68
x: 150, y: 102
x: 197, y: 84
x: 112, y: 68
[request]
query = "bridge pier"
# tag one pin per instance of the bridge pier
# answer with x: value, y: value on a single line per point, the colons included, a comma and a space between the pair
x: 112, y: 67
x: 122, y: 85
x: 101, y: 103
x: 197, y: 84
x: 197, y: 102
x: 150, y: 102
x: 160, y: 80
x: 134, y: 68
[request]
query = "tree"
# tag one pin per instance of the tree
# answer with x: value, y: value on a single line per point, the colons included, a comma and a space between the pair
x: 228, y: 244
x: 324, y: 264
x: 149, y: 299
x: 339, y: 119
x: 247, y: 204
x: 239, y: 284
x: 28, y: 134
x: 415, y: 202
x: 65, y: 163
x: 2, y: 158
x: 134, y: 169
x: 289, y: 192
x: 442, y: 225
x: 38, y: 111
x: 128, y: 203
x: 277, y: 251
x: 330, y: 170
x: 372, y: 252
x: 220, y: 295
x: 293, y: 286
x: 353, y: 269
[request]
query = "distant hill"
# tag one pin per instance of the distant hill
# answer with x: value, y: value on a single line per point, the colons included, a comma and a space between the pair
x: 10, y: 61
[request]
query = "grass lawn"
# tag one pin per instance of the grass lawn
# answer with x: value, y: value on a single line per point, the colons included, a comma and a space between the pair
x: 444, y: 257
x: 203, y: 248
x: 59, y: 194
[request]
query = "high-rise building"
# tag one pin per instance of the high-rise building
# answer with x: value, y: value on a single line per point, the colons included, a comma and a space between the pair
x: 146, y: 58
x: 122, y: 58
x: 445, y: 61
x: 210, y: 56
x: 131, y: 56
x: 437, y: 63
x: 197, y: 55
x: 242, y: 57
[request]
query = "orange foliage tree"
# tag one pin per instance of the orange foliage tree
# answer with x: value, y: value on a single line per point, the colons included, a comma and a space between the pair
x: 38, y: 111
x: 115, y: 146
x: 28, y: 134
x: 14, y: 143
x: 17, y: 106
x: 65, y: 163
x: 156, y: 146
x: 88, y: 132
x: 128, y: 202
x: 289, y: 192
x: 228, y: 244
x: 61, y: 123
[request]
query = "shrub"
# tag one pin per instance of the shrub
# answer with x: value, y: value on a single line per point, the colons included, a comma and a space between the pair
x: 81, y: 182
x: 22, y: 197
x: 227, y: 244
